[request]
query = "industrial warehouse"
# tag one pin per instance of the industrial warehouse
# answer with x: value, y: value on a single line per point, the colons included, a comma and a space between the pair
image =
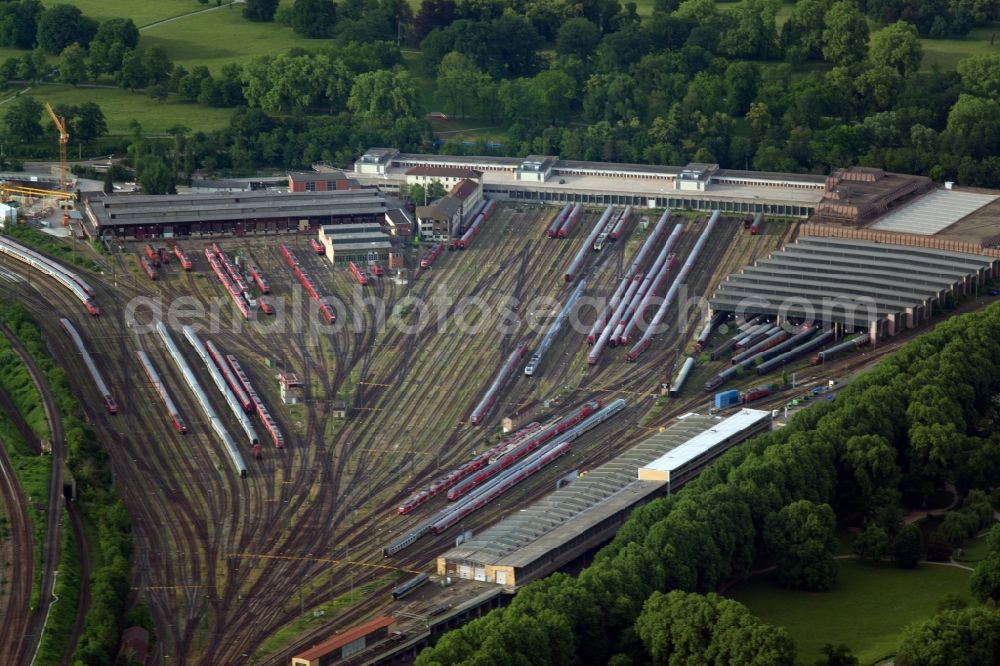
x: 570, y: 521
x: 875, y: 287
x: 852, y: 195
x: 142, y: 217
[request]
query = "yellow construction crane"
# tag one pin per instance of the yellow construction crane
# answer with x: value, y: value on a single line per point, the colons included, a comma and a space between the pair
x: 60, y: 123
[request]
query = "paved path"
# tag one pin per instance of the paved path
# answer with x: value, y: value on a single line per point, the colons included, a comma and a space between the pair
x: 181, y: 16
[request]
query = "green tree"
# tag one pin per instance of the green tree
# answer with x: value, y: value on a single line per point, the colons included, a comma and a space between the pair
x: 73, y: 65
x: 967, y: 637
x: 19, y: 23
x: 458, y: 81
x: 88, y: 122
x: 114, y: 37
x: 553, y: 92
x: 578, y: 37
x: 845, y: 33
x: 897, y: 46
x: 383, y: 95
x: 874, y: 474
x: 23, y: 119
x: 802, y: 33
x: 801, y: 535
x: 314, y: 19
x: 907, y: 547
x: 686, y: 628
x: 981, y: 74
x: 985, y: 581
x: 132, y: 75
x: 157, y: 64
x: 260, y: 10
x: 62, y: 25
x: 418, y: 194
x: 155, y: 176
x: 872, y: 544
x: 435, y: 190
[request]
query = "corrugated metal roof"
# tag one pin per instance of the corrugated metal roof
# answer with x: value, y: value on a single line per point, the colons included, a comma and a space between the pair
x: 706, y: 441
x: 838, y: 280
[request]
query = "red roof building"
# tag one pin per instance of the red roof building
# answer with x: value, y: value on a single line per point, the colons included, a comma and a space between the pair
x: 346, y: 644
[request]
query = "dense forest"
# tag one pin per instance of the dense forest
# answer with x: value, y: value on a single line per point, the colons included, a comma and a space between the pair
x: 838, y: 83
x: 923, y: 418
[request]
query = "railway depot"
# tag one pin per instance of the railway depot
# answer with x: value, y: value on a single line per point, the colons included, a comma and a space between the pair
x: 851, y: 195
x: 572, y: 520
x: 200, y: 215
x: 875, y: 287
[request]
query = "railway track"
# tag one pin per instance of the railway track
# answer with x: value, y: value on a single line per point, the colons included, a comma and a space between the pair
x: 319, y: 512
x: 19, y: 572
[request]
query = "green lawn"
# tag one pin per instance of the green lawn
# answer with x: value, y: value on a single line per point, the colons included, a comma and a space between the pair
x: 973, y: 550
x: 220, y: 37
x: 866, y: 610
x: 121, y: 106
x: 947, y: 52
x: 140, y: 11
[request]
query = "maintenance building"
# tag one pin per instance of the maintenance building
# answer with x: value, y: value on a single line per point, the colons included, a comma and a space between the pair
x: 143, y: 217
x: 360, y: 243
x: 568, y: 522
x: 877, y: 287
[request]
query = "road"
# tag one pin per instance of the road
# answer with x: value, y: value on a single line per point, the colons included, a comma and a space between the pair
x: 50, y: 550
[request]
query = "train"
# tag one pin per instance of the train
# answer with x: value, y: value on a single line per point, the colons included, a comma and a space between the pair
x: 95, y: 375
x: 618, y: 229
x: 536, y: 358
x: 470, y: 233
x: 640, y: 258
x: 161, y: 390
x: 235, y: 385
x: 206, y: 407
x: 671, y: 294
x: 152, y: 255
x: 265, y: 307
x: 439, y: 485
x: 317, y: 246
x: 71, y: 281
x: 757, y: 223
x: 706, y: 332
x: 588, y: 244
x: 377, y: 270
x: 651, y: 284
x: 257, y: 276
x: 328, y: 311
x: 183, y: 258
x: 493, y: 488
x: 570, y: 220
x: 557, y: 222
x: 506, y: 372
x: 440, y: 522
x: 845, y: 345
x: 435, y: 252
x: 232, y: 288
x: 409, y: 586
x: 359, y: 274
x: 500, y: 485
x: 258, y: 405
x: 678, y: 384
x: 772, y: 340
x: 794, y: 353
x: 220, y: 383
x: 147, y: 267
x: 164, y: 255
x: 565, y: 429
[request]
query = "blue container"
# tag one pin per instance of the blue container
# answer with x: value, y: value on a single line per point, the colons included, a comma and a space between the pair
x: 725, y: 399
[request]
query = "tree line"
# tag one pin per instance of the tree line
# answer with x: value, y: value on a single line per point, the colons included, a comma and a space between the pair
x: 923, y: 418
x: 590, y: 80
